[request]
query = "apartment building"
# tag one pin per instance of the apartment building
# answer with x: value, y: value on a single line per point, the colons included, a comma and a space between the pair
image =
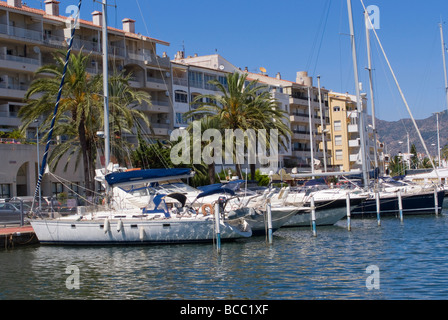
x: 28, y: 39
x: 301, y: 100
x: 345, y: 143
x: 191, y: 75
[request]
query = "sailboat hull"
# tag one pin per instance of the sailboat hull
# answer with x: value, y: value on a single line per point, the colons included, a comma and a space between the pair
x: 257, y: 218
x: 133, y: 232
x: 328, y: 212
x: 324, y: 217
x: 419, y: 203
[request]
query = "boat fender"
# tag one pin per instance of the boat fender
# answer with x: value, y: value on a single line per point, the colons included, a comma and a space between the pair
x: 142, y: 234
x: 106, y: 225
x: 119, y: 225
x: 204, y: 211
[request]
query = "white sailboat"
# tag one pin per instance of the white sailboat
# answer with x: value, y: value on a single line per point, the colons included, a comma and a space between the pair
x: 154, y: 224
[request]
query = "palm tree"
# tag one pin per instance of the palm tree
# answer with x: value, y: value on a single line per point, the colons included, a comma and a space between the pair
x: 207, y: 122
x: 244, y: 106
x: 80, y: 114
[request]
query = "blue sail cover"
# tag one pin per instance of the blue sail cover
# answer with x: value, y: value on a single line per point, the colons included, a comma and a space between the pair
x: 213, y: 189
x: 139, y: 176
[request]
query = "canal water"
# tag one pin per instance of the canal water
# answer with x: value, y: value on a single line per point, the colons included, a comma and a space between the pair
x: 397, y: 260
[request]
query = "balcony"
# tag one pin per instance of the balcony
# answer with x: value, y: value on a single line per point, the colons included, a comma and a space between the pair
x: 352, y: 128
x: 299, y: 118
x: 87, y: 46
x: 156, y: 83
x: 353, y: 143
x: 13, y: 90
x: 180, y: 81
x: 156, y: 107
x: 58, y: 41
x: 355, y: 158
x: 21, y: 33
x: 160, y: 129
x: 301, y: 135
x: 19, y: 63
x: 148, y: 59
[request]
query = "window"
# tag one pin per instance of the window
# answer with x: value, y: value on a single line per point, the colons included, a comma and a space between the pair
x: 223, y: 81
x: 74, y: 189
x: 207, y: 78
x: 336, y: 109
x: 5, y: 191
x: 195, y: 79
x: 56, y: 188
x: 180, y: 96
x: 337, y: 125
x: 210, y: 100
x: 180, y: 118
x: 338, y: 140
x: 338, y: 154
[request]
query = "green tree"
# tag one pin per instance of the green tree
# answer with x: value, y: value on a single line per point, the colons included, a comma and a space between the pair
x: 242, y: 105
x: 80, y: 115
x: 207, y: 122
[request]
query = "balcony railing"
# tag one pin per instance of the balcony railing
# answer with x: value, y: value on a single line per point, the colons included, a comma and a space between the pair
x: 14, y: 86
x: 58, y: 41
x: 25, y: 33
x: 180, y: 81
x: 19, y: 59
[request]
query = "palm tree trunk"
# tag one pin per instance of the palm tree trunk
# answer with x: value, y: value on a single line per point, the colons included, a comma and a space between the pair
x: 238, y: 170
x: 211, y: 173
x: 85, y: 158
x: 252, y: 171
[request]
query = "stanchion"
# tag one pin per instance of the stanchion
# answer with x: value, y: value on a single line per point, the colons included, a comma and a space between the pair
x: 217, y: 231
x: 347, y: 202
x: 313, y: 216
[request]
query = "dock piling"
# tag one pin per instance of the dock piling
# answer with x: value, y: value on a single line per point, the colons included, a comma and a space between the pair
x: 400, y: 206
x: 436, y: 201
x: 269, y: 216
x: 347, y: 201
x: 377, y: 198
x: 313, y: 216
x: 217, y: 231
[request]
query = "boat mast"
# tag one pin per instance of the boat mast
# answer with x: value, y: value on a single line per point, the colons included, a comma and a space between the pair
x: 372, y: 101
x: 444, y: 63
x: 403, y: 97
x: 324, y: 147
x: 105, y: 90
x: 311, y: 132
x: 358, y: 96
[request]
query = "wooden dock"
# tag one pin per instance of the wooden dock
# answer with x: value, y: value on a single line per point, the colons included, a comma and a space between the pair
x: 11, y: 237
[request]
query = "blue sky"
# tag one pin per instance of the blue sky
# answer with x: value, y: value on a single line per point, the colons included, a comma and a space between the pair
x: 287, y: 36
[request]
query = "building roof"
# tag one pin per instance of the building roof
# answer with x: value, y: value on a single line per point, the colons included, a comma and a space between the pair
x: 61, y: 18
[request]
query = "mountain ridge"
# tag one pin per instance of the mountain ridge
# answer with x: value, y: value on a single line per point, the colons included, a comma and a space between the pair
x: 394, y: 133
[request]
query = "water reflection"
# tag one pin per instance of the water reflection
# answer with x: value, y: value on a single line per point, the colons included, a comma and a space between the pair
x: 410, y: 257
